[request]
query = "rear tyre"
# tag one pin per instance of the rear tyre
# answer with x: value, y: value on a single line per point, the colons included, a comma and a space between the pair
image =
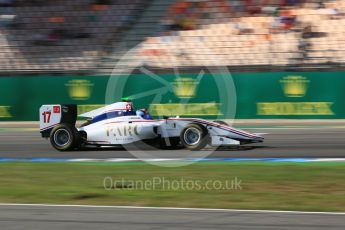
x: 194, y: 137
x: 64, y: 137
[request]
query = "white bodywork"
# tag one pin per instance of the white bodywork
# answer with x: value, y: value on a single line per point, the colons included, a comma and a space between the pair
x: 109, y: 130
x: 50, y: 115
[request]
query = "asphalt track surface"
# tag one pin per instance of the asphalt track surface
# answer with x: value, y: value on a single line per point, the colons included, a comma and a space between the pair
x: 85, y: 218
x: 279, y: 143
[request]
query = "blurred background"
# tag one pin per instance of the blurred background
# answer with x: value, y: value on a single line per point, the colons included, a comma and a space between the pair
x: 86, y: 36
x: 270, y: 64
x: 278, y: 50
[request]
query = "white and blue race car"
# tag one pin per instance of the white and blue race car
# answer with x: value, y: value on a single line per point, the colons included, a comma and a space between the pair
x: 119, y: 124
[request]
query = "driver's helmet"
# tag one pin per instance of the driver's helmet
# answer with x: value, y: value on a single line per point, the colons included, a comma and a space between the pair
x: 144, y: 113
x: 140, y: 113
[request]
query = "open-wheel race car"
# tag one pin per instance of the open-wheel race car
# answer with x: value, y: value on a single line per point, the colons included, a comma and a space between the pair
x: 119, y: 124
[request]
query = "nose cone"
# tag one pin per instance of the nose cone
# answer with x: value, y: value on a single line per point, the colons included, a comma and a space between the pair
x: 258, y: 139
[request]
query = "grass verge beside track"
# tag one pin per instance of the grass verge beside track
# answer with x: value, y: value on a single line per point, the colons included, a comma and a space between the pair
x: 277, y: 186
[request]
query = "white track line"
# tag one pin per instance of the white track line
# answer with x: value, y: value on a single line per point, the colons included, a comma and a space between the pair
x: 119, y: 160
x: 328, y: 160
x: 173, y: 208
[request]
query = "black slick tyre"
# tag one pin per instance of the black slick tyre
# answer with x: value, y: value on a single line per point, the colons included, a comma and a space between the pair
x: 194, y: 137
x: 64, y: 137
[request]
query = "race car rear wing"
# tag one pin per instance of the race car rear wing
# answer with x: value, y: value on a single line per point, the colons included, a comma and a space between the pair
x: 51, y: 115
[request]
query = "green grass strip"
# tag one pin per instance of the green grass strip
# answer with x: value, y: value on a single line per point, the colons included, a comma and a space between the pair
x: 316, y: 186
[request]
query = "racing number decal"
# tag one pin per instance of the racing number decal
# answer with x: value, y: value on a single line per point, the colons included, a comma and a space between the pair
x: 46, y: 116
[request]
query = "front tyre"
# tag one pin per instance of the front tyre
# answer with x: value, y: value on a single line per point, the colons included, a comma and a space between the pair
x: 194, y: 137
x: 64, y: 137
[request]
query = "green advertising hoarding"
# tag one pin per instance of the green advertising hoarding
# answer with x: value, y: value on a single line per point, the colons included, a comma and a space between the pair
x: 296, y: 95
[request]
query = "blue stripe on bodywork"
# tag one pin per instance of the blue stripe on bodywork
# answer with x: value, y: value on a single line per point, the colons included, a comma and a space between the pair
x: 113, y: 114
